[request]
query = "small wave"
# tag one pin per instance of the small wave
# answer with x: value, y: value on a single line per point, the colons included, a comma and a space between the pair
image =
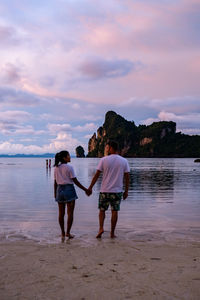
x: 17, y: 237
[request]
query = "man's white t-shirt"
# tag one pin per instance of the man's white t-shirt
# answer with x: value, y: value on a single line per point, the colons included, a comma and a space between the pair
x: 64, y: 173
x: 113, y: 167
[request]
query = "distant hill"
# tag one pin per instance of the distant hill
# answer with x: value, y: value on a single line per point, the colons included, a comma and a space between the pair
x: 156, y: 140
x: 28, y: 155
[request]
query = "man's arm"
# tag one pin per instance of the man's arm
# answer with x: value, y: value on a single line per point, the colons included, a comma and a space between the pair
x: 126, y: 176
x: 94, y: 180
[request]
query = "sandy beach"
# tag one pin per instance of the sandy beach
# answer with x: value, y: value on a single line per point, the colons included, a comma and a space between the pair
x: 139, y: 268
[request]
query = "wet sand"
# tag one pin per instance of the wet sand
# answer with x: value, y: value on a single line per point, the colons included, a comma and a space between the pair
x: 139, y: 268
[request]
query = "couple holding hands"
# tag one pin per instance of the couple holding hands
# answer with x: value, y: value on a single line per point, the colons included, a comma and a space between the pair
x: 114, y: 167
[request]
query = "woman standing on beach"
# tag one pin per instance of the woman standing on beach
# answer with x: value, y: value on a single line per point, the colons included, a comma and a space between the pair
x: 64, y: 191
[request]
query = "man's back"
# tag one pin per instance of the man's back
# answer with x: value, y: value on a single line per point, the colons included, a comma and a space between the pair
x: 113, y: 167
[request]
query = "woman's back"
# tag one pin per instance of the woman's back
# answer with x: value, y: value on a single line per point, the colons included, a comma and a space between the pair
x: 64, y: 173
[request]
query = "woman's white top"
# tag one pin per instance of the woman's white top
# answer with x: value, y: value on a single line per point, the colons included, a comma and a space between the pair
x: 64, y: 173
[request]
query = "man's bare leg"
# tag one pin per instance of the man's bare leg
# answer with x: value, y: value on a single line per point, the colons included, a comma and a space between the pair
x: 70, y: 217
x: 114, y: 219
x: 61, y: 207
x: 102, y: 216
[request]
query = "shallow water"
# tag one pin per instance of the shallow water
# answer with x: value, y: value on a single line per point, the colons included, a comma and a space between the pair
x: 164, y: 197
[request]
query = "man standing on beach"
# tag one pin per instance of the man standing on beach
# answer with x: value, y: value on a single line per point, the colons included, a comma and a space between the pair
x: 114, y: 168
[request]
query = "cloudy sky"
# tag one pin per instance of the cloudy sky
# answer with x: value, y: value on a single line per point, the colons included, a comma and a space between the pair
x: 64, y: 63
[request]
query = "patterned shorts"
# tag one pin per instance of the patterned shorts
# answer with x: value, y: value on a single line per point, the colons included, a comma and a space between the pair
x: 114, y: 199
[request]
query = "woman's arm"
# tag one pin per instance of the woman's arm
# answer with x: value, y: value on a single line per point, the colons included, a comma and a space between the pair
x: 55, y: 188
x: 75, y: 180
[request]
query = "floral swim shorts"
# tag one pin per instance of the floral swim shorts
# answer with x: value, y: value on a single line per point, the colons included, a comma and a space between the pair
x: 112, y: 199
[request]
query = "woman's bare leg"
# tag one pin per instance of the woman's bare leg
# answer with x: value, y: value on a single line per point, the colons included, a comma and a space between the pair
x: 61, y: 207
x: 70, y: 214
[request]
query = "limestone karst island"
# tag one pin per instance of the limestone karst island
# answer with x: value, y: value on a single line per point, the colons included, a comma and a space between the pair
x: 159, y: 139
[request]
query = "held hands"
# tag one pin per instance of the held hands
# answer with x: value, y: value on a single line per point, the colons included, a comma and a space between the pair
x: 88, y: 192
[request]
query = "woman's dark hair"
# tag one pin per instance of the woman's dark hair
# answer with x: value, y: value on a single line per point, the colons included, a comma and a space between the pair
x: 59, y: 157
x: 113, y: 144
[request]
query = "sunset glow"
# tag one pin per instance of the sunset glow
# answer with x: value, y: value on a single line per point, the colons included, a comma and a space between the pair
x: 65, y: 63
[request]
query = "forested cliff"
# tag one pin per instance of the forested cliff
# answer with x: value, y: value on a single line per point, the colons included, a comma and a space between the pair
x: 156, y: 140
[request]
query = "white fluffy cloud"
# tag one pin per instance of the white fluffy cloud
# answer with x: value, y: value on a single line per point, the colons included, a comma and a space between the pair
x: 183, y: 121
x: 12, y: 123
x: 61, y: 142
x: 76, y: 106
x: 10, y: 96
x: 190, y: 118
x: 14, y: 116
x: 54, y: 128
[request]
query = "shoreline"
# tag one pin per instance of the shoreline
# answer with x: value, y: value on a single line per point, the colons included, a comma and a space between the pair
x: 144, y: 234
x: 138, y: 268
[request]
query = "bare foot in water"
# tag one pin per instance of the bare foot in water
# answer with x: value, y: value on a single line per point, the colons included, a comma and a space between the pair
x: 100, y: 234
x: 70, y: 236
x: 113, y: 236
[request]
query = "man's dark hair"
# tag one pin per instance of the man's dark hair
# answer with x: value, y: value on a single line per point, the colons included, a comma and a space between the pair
x: 113, y: 144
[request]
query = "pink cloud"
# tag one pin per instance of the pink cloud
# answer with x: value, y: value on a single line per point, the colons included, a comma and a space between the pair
x: 11, y: 73
x: 150, y: 32
x: 8, y: 35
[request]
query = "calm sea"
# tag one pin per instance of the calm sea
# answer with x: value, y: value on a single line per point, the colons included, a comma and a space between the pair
x: 164, y: 198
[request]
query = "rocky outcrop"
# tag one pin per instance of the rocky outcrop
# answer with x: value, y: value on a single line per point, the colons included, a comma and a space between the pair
x: 145, y: 141
x: 80, y: 151
x: 114, y: 127
x: 197, y: 160
x: 92, y: 143
x: 156, y: 140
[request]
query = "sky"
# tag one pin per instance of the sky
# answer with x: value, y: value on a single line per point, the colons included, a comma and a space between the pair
x: 65, y: 63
